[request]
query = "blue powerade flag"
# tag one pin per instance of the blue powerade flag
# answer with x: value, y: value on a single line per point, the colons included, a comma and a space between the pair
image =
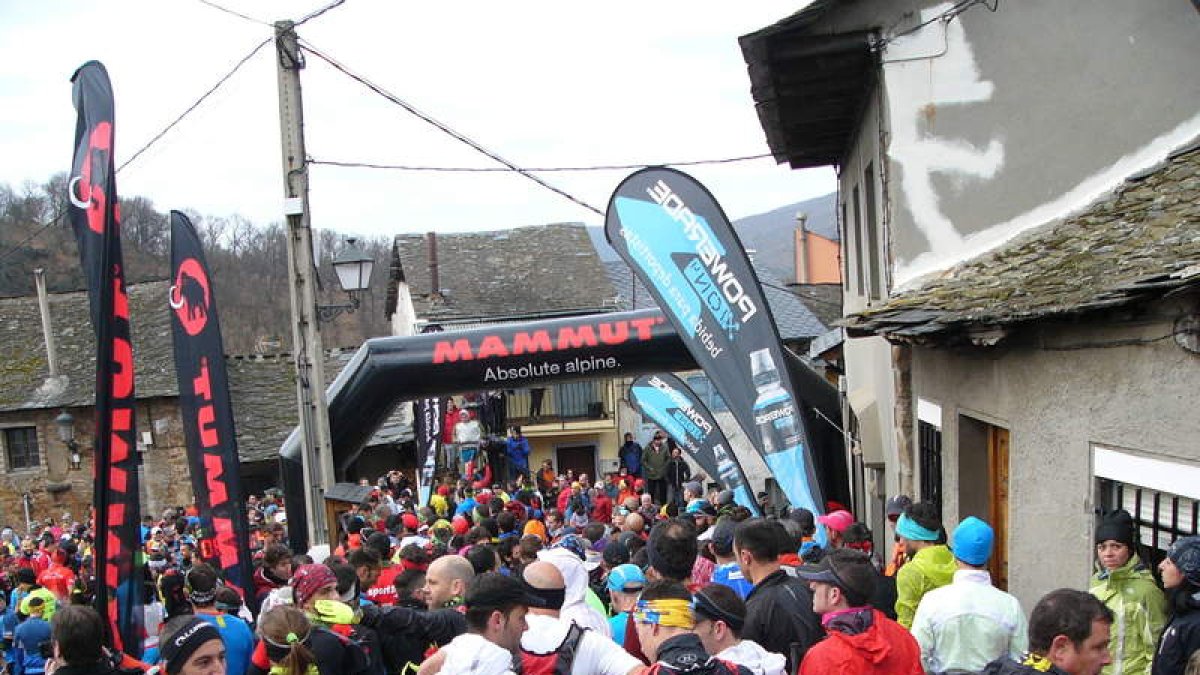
x: 675, y: 236
x: 95, y: 218
x: 672, y: 405
x: 207, y: 413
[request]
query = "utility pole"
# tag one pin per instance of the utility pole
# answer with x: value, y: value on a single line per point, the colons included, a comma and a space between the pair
x: 317, y: 451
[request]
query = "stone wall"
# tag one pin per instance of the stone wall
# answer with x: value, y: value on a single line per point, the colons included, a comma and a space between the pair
x: 54, y: 488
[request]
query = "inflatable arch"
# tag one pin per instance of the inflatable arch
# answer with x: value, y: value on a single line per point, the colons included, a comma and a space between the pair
x: 391, y: 370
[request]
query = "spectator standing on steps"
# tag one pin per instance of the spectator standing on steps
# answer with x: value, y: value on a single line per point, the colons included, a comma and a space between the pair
x: 631, y: 456
x: 654, y: 467
x: 1127, y: 587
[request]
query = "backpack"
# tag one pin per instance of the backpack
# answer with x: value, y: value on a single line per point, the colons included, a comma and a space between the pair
x: 557, y: 662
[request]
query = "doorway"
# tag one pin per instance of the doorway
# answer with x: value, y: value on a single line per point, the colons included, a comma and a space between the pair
x: 581, y: 458
x: 983, y: 485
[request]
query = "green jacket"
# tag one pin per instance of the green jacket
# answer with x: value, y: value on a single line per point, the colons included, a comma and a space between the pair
x: 654, y: 464
x: 1140, y: 613
x: 932, y: 567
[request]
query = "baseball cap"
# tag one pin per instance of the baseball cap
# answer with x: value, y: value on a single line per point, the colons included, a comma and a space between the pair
x: 693, y: 486
x: 837, y: 521
x: 973, y: 541
x: 626, y: 578
x: 725, y: 497
x: 695, y: 505
x: 847, y: 569
x: 492, y: 590
x: 410, y: 521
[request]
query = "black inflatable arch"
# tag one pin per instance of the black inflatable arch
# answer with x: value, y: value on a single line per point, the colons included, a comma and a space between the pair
x: 391, y: 370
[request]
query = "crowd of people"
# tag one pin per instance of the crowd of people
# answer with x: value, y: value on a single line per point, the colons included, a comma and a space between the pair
x: 641, y: 571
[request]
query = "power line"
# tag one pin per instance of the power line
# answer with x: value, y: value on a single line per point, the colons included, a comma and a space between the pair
x: 59, y: 213
x: 312, y: 15
x: 443, y: 128
x: 543, y: 169
x: 234, y: 13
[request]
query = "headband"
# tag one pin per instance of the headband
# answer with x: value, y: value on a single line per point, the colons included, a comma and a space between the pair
x: 909, y: 529
x: 553, y: 597
x: 177, y: 651
x: 278, y: 651
x: 669, y: 612
x: 705, y: 605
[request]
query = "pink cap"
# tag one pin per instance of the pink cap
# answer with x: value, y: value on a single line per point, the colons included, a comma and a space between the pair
x: 837, y: 521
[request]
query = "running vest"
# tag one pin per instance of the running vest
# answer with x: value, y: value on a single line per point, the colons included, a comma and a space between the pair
x: 557, y: 662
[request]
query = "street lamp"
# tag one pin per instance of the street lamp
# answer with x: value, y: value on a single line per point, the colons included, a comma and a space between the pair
x: 66, y: 433
x: 353, y: 267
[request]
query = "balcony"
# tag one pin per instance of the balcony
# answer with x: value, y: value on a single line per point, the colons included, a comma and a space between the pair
x: 567, y: 407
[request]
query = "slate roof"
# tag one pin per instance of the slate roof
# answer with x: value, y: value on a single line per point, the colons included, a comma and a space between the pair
x: 795, y: 321
x: 1141, y: 241
x: 522, y: 272
x: 823, y: 300
x: 262, y: 388
x: 24, y: 371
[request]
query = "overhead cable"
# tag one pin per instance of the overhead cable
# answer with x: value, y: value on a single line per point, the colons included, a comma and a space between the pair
x: 542, y: 169
x: 235, y: 13
x: 308, y: 47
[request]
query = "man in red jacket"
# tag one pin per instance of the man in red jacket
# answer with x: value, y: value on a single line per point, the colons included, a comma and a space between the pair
x: 861, y: 640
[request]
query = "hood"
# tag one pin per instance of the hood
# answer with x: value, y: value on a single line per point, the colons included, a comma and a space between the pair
x: 870, y: 643
x: 759, y: 661
x: 471, y: 654
x: 573, y: 571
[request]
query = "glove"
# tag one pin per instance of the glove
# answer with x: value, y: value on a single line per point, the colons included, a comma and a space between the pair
x: 332, y: 612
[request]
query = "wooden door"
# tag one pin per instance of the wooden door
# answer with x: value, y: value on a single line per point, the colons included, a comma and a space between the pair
x: 581, y: 458
x: 998, y: 503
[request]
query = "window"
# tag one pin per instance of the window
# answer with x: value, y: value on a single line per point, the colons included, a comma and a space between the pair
x: 859, y: 245
x: 843, y: 251
x: 874, y: 265
x: 1161, y: 496
x: 707, y: 393
x: 21, y: 447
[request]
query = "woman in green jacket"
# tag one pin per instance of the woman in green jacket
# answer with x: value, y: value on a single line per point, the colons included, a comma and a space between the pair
x: 1127, y: 587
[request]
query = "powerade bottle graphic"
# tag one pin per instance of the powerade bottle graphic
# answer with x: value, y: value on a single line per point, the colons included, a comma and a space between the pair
x: 728, y: 471
x: 778, y: 430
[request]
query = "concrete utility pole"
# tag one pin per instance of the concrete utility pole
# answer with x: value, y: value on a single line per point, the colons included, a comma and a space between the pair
x: 317, y: 450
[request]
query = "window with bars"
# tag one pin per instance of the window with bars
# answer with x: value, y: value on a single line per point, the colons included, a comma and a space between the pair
x: 1160, y: 517
x: 21, y: 447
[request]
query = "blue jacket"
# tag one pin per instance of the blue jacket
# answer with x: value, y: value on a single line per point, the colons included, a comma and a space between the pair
x: 27, y: 640
x: 238, y: 639
x: 631, y: 454
x: 518, y: 451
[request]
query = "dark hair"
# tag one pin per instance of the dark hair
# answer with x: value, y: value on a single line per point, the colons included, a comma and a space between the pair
x: 482, y: 558
x: 728, y: 601
x: 346, y: 574
x: 672, y: 549
x: 407, y: 585
x: 201, y: 578
x: 857, y: 573
x: 761, y: 538
x: 482, y: 585
x: 529, y: 546
x: 491, y: 525
x: 594, y: 532
x: 795, y: 534
x: 927, y: 515
x: 363, y: 557
x: 506, y: 521
x: 857, y: 533
x: 665, y: 590
x: 478, y: 534
x: 78, y: 631
x: 1065, y: 612
x: 275, y: 554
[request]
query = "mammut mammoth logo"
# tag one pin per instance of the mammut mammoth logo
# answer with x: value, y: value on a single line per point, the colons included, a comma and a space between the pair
x: 190, y: 296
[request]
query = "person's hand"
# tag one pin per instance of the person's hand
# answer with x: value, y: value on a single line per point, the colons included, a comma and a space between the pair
x: 50, y: 666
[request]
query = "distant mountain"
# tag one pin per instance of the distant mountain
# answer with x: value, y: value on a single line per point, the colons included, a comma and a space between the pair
x: 769, y: 234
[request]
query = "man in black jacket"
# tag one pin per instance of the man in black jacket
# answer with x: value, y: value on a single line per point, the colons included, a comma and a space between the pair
x: 779, y: 609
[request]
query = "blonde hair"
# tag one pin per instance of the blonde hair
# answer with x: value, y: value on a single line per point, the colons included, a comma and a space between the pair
x: 1193, y: 664
x: 285, y: 627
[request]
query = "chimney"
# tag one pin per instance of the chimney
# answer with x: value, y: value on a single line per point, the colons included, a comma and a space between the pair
x: 39, y: 280
x: 802, y: 273
x: 435, y: 285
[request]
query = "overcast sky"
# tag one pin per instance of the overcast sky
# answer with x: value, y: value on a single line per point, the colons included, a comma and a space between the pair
x: 542, y: 84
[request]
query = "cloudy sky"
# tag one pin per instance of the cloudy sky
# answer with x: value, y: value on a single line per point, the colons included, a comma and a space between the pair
x: 543, y: 84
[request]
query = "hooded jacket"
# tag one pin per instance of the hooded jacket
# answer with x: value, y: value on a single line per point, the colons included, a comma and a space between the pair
x: 1181, y: 637
x: 779, y: 616
x: 932, y: 567
x: 884, y: 648
x: 750, y: 655
x: 1139, y: 612
x: 575, y: 606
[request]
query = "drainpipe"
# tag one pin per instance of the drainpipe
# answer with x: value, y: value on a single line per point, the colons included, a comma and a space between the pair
x: 802, y: 273
x: 39, y: 279
x: 902, y: 377
x: 435, y: 286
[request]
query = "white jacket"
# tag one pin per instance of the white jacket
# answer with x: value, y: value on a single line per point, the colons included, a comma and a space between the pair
x: 759, y: 661
x: 472, y: 654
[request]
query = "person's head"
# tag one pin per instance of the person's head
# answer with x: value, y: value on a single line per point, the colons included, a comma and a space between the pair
x: 1071, y: 629
x: 624, y: 583
x: 496, y: 607
x: 672, y: 549
x: 1181, y: 568
x: 896, y: 506
x: 677, y: 451
x: 920, y: 526
x: 721, y: 541
x: 285, y: 631
x: 663, y: 611
x: 446, y: 580
x: 973, y: 543
x: 277, y: 559
x: 720, y: 615
x: 365, y: 562
x: 77, y: 632
x: 314, y: 582
x: 844, y: 578
x: 483, y: 558
x: 554, y: 520
x: 634, y: 522
x: 1115, y: 539
x: 190, y: 645
x: 836, y: 523
x: 757, y: 544
x: 547, y: 582
x: 201, y: 584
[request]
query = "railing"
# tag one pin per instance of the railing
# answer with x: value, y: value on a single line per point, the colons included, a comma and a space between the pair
x: 567, y: 402
x: 929, y: 448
